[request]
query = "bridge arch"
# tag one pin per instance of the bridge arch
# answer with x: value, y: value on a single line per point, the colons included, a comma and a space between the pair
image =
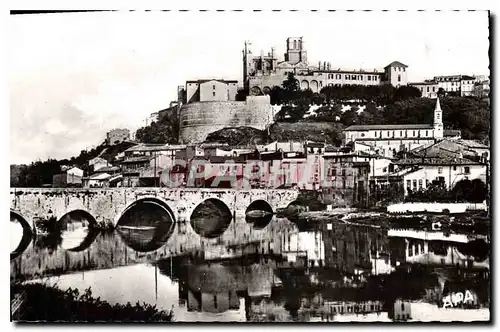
x: 146, y: 224
x: 304, y: 85
x: 259, y: 213
x: 79, y: 230
x: 211, y: 218
x: 21, y: 234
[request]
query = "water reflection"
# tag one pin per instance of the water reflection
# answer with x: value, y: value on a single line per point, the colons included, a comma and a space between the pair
x: 259, y: 213
x: 78, y: 230
x: 146, y: 225
x: 331, y: 271
x: 20, y: 235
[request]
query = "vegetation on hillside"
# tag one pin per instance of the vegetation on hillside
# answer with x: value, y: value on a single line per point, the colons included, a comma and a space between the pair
x: 400, y: 106
x: 239, y: 136
x: 165, y: 130
x: 40, y: 173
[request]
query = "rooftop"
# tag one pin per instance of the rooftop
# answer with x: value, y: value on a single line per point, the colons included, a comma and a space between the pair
x: 388, y: 127
x: 212, y: 79
x: 435, y: 161
x: 396, y: 64
x: 137, y: 159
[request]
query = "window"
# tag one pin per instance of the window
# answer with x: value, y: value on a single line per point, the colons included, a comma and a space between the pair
x: 454, y: 168
x: 215, y: 301
x: 343, y: 184
x: 420, y: 184
x: 402, y: 306
x: 404, y: 69
x: 401, y: 133
x: 399, y: 78
x: 214, y: 86
x: 414, y: 184
x: 433, y: 89
x: 334, y: 172
x: 369, y: 78
x: 213, y: 93
x: 440, y: 170
x: 399, y: 68
x: 467, y: 170
x: 426, y: 133
x: 394, y: 68
x: 427, y: 89
x: 426, y: 183
x: 375, y: 134
x: 408, y: 184
x: 343, y: 172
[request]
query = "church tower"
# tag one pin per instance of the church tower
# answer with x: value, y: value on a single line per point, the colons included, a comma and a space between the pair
x: 295, y: 50
x: 247, y: 63
x: 438, y: 121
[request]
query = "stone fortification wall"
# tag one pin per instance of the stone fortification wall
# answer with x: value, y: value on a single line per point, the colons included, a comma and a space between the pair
x: 199, y: 119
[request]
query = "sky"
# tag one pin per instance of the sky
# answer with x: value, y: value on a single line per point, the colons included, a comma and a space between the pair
x: 74, y: 76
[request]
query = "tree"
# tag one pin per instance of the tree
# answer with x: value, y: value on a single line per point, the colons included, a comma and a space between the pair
x: 291, y: 84
x: 441, y: 92
x: 406, y: 92
x: 350, y: 117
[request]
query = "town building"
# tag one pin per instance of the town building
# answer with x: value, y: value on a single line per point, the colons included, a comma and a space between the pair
x: 454, y: 148
x: 262, y: 73
x: 97, y: 163
x: 448, y: 171
x: 71, y: 177
x: 144, y: 164
x: 102, y: 180
x: 116, y: 136
x: 482, y: 88
x: 462, y: 85
x: 211, y: 90
x: 388, y: 140
x: 345, y: 180
x: 429, y: 89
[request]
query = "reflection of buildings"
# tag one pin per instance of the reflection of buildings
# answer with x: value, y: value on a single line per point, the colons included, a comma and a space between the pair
x: 400, y: 310
x: 217, y: 288
x: 432, y: 248
x: 215, y: 303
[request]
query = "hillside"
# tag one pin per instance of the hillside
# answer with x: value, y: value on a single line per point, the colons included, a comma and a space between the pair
x: 238, y: 136
x: 329, y: 132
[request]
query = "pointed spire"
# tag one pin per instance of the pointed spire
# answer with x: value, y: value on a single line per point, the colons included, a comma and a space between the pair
x: 438, y: 105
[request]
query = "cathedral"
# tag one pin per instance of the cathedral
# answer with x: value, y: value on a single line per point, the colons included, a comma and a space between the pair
x: 261, y: 73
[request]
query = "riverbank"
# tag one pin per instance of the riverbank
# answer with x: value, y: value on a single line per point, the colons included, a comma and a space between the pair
x: 40, y: 302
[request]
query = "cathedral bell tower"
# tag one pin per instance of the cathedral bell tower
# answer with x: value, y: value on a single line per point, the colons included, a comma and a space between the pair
x: 438, y: 121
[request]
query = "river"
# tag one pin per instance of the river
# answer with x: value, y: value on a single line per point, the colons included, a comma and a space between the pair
x: 332, y: 272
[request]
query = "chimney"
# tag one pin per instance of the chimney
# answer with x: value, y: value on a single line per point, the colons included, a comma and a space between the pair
x: 319, y: 65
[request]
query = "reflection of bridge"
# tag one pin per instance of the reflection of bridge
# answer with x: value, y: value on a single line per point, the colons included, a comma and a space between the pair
x: 111, y: 204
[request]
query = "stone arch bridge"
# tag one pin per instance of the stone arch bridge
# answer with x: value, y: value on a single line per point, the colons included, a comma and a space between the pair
x: 108, y: 205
